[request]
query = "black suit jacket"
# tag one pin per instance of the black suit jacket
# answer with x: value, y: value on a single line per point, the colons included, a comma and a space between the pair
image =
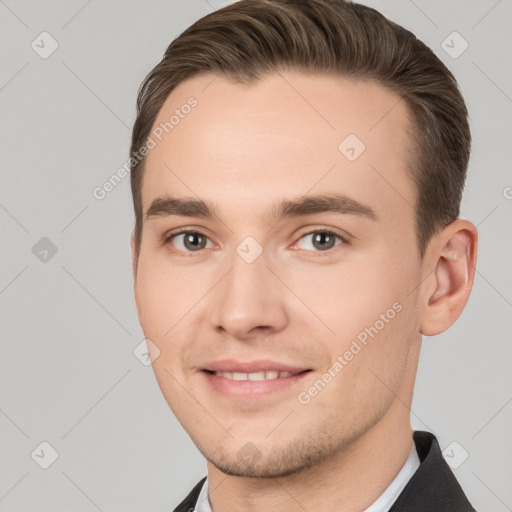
x: 433, y: 486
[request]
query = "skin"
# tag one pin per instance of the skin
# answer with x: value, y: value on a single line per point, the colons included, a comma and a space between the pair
x: 244, y: 148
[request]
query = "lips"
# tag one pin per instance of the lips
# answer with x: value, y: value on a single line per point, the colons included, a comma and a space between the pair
x: 263, y: 375
x: 264, y: 378
x: 252, y: 379
x: 241, y: 370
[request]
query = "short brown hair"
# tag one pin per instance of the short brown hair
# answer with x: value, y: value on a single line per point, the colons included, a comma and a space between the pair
x: 250, y: 38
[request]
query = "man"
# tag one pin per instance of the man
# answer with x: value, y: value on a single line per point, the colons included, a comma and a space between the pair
x: 297, y: 170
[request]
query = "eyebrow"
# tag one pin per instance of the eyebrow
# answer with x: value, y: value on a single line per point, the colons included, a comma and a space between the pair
x: 288, y: 208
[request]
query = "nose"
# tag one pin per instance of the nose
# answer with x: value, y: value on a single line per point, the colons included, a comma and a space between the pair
x: 250, y: 300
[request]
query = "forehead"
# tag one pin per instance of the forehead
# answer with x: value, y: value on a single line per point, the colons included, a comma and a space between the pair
x: 284, y: 135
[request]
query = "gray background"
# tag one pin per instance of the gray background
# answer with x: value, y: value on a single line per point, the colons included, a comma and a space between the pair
x: 68, y: 374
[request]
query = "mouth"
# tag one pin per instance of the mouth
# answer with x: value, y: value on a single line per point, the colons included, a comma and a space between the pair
x: 255, y: 385
x: 256, y: 376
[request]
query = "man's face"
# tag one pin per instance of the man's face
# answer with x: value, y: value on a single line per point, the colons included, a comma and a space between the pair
x: 251, y: 292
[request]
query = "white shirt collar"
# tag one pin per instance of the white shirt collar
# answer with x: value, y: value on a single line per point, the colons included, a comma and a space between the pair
x: 388, y: 497
x: 381, y: 504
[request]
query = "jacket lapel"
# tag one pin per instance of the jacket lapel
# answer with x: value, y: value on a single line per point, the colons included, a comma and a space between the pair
x: 433, y: 486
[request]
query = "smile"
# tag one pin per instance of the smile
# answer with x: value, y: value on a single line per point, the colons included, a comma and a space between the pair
x: 261, y: 375
x: 253, y: 385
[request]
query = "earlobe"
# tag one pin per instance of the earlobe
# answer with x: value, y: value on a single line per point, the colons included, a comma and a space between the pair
x: 454, y: 253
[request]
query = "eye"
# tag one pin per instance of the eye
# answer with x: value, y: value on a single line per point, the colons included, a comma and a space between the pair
x: 188, y: 241
x: 321, y: 240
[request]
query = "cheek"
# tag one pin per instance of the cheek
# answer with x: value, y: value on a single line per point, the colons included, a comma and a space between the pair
x: 348, y: 297
x: 369, y: 310
x: 156, y: 308
x: 371, y: 354
x: 164, y: 295
x: 169, y: 298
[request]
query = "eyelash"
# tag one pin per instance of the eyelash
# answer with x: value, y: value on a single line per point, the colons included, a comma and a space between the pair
x: 167, y: 238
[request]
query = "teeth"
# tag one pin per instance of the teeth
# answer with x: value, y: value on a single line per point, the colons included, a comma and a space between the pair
x: 263, y: 375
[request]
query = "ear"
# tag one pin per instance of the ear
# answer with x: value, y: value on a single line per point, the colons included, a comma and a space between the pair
x: 452, y: 256
x: 133, y: 255
x: 134, y: 270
